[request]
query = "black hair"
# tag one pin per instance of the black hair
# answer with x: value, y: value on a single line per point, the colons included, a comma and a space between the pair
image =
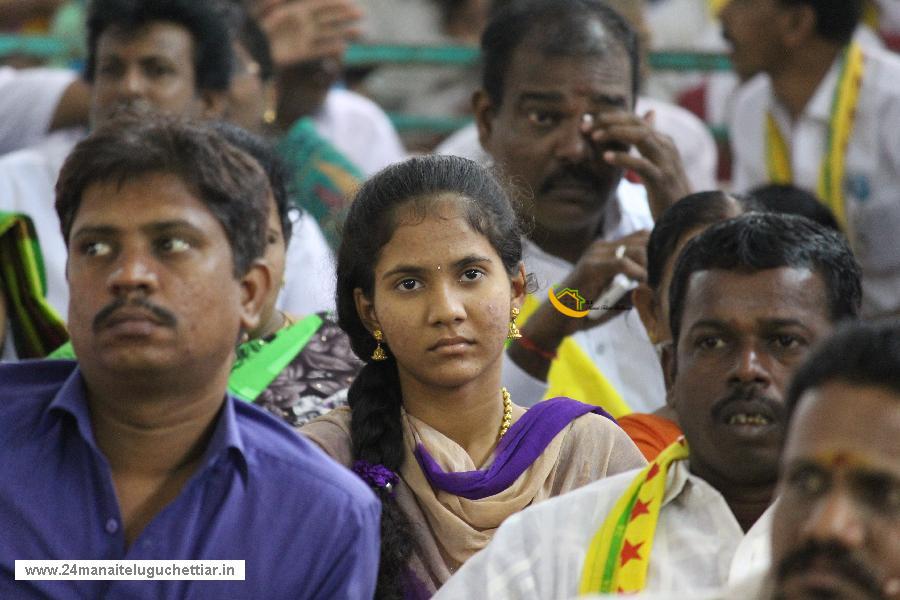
x: 230, y: 183
x: 376, y: 430
x: 264, y: 153
x: 692, y: 211
x: 790, y: 199
x: 863, y: 353
x: 760, y: 241
x: 213, y: 56
x: 557, y: 28
x: 836, y: 20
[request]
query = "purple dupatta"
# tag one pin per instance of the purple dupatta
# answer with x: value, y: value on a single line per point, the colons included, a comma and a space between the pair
x: 520, y: 447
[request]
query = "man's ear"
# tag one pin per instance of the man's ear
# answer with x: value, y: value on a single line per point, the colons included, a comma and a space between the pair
x: 668, y: 358
x: 365, y: 308
x: 484, y: 112
x: 798, y: 24
x: 214, y: 104
x: 644, y: 301
x: 255, y: 286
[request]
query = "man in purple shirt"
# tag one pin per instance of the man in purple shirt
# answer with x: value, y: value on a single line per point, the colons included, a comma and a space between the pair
x: 137, y: 452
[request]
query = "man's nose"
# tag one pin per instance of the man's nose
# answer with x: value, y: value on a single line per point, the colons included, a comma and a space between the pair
x: 132, y: 272
x: 572, y: 145
x: 751, y: 366
x: 835, y: 518
x: 132, y: 84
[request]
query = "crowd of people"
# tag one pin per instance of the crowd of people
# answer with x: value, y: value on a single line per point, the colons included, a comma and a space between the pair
x: 555, y: 357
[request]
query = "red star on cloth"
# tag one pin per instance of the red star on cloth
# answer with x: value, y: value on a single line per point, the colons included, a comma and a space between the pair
x: 630, y: 552
x: 640, y: 508
x: 654, y: 470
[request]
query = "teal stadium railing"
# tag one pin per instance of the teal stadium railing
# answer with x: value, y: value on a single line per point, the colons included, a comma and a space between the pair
x: 361, y: 55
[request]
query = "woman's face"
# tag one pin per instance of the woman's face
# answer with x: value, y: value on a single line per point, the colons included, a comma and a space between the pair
x: 442, y: 297
x: 275, y: 255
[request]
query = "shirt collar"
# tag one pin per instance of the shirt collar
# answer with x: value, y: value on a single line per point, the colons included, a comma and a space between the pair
x: 819, y: 106
x: 72, y: 399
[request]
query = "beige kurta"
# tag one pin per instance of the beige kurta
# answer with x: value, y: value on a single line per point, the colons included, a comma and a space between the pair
x: 449, y: 529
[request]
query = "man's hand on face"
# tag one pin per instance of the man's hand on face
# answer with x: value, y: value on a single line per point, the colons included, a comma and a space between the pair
x: 302, y: 31
x: 601, y: 262
x: 658, y: 164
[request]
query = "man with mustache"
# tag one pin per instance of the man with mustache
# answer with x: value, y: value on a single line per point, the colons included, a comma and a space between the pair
x: 836, y: 527
x: 173, y: 56
x: 137, y: 451
x: 748, y: 298
x: 556, y: 113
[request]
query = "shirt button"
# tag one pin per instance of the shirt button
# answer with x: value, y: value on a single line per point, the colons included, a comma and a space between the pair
x: 112, y: 526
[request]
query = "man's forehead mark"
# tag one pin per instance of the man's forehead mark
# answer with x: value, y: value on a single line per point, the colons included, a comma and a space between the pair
x: 842, y: 458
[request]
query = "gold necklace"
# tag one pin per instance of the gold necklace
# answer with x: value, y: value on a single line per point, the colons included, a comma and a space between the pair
x: 507, y: 412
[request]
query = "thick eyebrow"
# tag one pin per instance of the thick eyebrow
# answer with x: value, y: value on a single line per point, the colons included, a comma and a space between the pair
x: 151, y: 228
x: 419, y: 271
x: 540, y: 97
x: 770, y: 324
x: 709, y: 324
x: 170, y: 226
x: 95, y: 231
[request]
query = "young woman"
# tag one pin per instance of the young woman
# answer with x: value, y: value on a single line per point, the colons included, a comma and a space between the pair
x: 430, y: 280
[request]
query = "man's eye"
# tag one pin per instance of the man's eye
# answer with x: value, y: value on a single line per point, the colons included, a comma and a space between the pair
x: 473, y: 274
x: 174, y: 245
x: 808, y: 481
x: 788, y: 342
x: 543, y: 118
x: 408, y: 285
x: 95, y: 249
x: 710, y: 342
x: 158, y: 70
x: 110, y: 70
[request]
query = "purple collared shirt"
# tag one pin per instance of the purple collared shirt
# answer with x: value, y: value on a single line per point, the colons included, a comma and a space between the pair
x: 306, y: 527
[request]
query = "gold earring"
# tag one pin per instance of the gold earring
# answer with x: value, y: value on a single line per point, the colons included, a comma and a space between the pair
x: 379, y: 353
x: 514, y: 332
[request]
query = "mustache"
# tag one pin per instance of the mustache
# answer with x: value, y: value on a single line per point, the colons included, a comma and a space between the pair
x: 165, y: 317
x: 838, y: 559
x: 577, y: 173
x: 748, y: 392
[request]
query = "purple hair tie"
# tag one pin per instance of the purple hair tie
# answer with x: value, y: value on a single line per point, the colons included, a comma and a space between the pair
x: 377, y: 476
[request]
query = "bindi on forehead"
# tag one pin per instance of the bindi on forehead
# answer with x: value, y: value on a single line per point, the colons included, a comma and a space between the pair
x: 842, y: 459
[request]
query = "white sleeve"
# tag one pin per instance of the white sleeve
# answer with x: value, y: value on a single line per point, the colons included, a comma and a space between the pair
x: 309, y: 271
x: 504, y: 570
x: 28, y: 99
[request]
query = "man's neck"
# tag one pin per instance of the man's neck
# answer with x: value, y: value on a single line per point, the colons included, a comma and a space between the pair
x: 569, y: 246
x: 747, y: 501
x: 798, y: 78
x: 153, y: 437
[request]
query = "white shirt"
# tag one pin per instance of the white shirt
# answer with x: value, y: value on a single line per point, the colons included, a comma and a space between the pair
x: 539, y: 553
x: 620, y: 348
x: 872, y: 173
x: 27, y: 181
x: 360, y: 130
x: 28, y: 100
x: 692, y: 138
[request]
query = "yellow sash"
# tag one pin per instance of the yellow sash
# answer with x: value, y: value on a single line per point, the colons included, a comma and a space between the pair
x: 574, y: 374
x: 619, y: 555
x: 840, y: 129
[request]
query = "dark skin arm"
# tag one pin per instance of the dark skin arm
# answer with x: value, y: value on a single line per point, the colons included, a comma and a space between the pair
x: 73, y: 107
x: 592, y: 274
